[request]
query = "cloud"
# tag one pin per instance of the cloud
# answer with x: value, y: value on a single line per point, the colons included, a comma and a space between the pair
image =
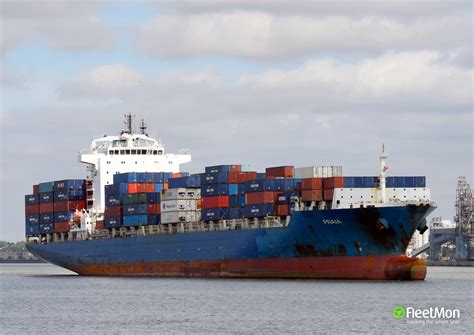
x: 262, y: 36
x: 61, y: 25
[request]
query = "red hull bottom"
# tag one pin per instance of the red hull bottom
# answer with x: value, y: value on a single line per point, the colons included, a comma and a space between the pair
x: 387, y: 267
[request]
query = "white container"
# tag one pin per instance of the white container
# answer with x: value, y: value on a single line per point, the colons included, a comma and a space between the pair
x: 181, y: 194
x: 178, y: 205
x: 180, y: 216
x: 318, y: 172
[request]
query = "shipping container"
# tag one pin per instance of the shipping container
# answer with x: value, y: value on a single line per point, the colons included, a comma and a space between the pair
x: 112, y: 199
x: 233, y: 201
x: 64, y: 216
x: 112, y: 211
x: 259, y: 185
x: 245, y: 167
x: 280, y: 171
x: 212, y: 190
x: 68, y: 184
x: 215, y: 178
x: 153, y: 209
x: 128, y: 177
x: 318, y: 172
x: 149, y: 177
x: 253, y: 198
x: 153, y: 197
x: 159, y: 188
x: 113, y: 222
x: 100, y: 225
x: 153, y: 219
x: 312, y: 195
x: 284, y: 184
x: 221, y: 201
x: 31, y: 230
x: 46, y: 197
x: 222, y: 168
x: 214, y: 214
x: 61, y: 206
x: 178, y: 205
x: 136, y: 188
x: 333, y: 182
x: 135, y: 220
x: 180, y: 216
x: 46, y: 218
x: 31, y: 199
x: 32, y: 219
x: 32, y: 209
x: 69, y: 195
x: 282, y: 210
x: 288, y: 197
x: 135, y: 209
x: 36, y: 189
x: 116, y: 189
x: 261, y: 210
x: 46, y: 187
x: 46, y: 207
x: 181, y: 193
x: 185, y: 182
x: 46, y: 228
x: 61, y: 227
x: 135, y: 198
x: 312, y: 183
x: 328, y: 194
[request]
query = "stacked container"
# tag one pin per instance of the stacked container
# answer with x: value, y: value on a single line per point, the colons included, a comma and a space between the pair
x: 51, y: 207
x: 180, y: 205
x: 330, y: 184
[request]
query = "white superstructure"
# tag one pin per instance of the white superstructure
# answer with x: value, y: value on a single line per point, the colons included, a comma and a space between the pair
x: 126, y: 152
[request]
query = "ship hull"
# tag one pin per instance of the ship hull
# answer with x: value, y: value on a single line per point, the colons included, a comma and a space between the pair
x: 362, y: 243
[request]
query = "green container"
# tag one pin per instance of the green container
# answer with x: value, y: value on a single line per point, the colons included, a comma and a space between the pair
x: 245, y: 168
x: 135, y: 198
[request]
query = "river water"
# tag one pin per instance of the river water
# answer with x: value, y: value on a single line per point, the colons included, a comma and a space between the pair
x: 45, y: 299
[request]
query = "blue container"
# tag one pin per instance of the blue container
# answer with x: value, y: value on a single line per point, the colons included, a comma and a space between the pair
x: 63, y: 216
x: 32, y: 219
x: 135, y: 220
x: 420, y: 181
x: 259, y: 185
x: 214, y: 214
x: 234, y: 213
x: 349, y: 182
x: 113, y: 199
x: 45, y: 228
x: 234, y: 201
x: 46, y: 197
x: 398, y: 182
x: 194, y: 180
x: 121, y: 188
x: 389, y: 182
x: 68, y: 184
x: 166, y: 176
x: 153, y: 219
x: 188, y: 181
x: 409, y: 182
x: 218, y: 168
x: 137, y: 209
x: 128, y: 177
x: 241, y: 189
x: 112, y: 222
x: 177, y: 182
x: 31, y: 199
x: 69, y: 195
x: 215, y: 178
x: 153, y: 198
x: 46, y: 187
x: 241, y: 201
x: 149, y: 177
x: 32, y: 229
x: 141, y: 177
x: 253, y: 211
x: 287, y: 197
x: 158, y: 188
x: 284, y: 184
x: 261, y: 175
x: 212, y: 190
x: 46, y: 218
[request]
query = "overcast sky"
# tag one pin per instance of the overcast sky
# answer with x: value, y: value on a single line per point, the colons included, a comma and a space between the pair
x: 238, y: 81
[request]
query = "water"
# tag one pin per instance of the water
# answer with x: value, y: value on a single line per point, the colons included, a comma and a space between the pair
x: 41, y: 298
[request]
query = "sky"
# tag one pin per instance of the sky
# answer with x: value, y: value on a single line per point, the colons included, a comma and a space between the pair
x: 254, y: 82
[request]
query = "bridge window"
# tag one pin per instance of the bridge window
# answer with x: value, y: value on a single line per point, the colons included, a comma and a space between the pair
x: 134, y: 151
x: 111, y: 152
x: 143, y: 152
x: 116, y: 152
x: 155, y: 152
x: 127, y: 152
x: 122, y: 152
x: 160, y: 152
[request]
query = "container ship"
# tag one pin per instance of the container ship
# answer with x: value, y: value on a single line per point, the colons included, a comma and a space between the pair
x: 136, y: 214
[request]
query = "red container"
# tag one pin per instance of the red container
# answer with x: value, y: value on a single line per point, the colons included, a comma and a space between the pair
x: 62, y: 206
x: 255, y: 198
x: 46, y: 207
x: 61, y: 227
x: 250, y: 175
x: 280, y: 171
x: 328, y: 194
x: 312, y: 183
x: 137, y: 188
x: 32, y: 209
x: 233, y: 177
x: 149, y: 187
x: 36, y: 189
x: 220, y: 201
x: 99, y: 225
x: 153, y: 209
x: 112, y: 211
x: 165, y: 185
x: 235, y: 168
x: 175, y: 174
x: 312, y: 195
x: 334, y: 182
x: 282, y: 210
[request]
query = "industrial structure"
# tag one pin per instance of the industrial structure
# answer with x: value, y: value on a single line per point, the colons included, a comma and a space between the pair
x: 452, y: 241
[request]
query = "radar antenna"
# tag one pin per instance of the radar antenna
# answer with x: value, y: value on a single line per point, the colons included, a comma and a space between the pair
x: 128, y: 123
x: 143, y: 127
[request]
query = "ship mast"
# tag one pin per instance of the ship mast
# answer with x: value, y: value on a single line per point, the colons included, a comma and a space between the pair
x: 128, y: 123
x: 383, y: 167
x: 143, y: 127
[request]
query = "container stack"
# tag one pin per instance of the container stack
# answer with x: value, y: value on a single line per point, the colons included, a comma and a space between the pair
x: 330, y: 184
x: 134, y: 199
x: 180, y: 205
x: 51, y: 207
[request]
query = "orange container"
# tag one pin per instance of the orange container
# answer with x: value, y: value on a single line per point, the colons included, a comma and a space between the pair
x: 61, y: 227
x: 282, y: 210
x: 32, y: 209
x: 312, y: 183
x: 220, y: 201
x: 46, y: 207
x: 333, y: 182
x: 132, y: 188
x: 280, y: 171
x: 165, y: 185
x: 312, y: 195
x: 149, y: 187
x: 328, y: 194
x: 254, y: 198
